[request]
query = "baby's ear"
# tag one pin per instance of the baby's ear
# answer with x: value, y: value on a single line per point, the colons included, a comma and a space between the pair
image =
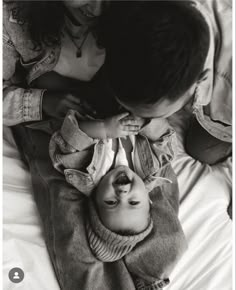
x: 149, y: 187
x: 155, y: 181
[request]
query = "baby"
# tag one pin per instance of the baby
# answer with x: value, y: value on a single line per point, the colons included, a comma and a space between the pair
x: 117, y: 164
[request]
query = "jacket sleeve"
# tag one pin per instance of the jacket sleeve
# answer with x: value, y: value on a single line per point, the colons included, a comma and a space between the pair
x: 221, y: 102
x: 70, y: 148
x: 162, y: 139
x: 19, y: 104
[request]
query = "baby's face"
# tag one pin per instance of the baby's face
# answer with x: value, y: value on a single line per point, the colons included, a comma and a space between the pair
x: 122, y: 201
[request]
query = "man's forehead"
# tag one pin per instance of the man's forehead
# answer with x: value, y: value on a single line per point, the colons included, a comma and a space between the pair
x: 162, y: 108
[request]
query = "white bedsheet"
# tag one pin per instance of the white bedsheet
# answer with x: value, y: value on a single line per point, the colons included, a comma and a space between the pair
x: 205, y: 193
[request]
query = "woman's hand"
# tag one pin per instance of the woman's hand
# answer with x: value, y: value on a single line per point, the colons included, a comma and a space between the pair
x: 122, y: 125
x: 57, y: 104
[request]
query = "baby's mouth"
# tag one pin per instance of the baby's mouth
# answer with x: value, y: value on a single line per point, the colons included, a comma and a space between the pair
x: 122, y: 179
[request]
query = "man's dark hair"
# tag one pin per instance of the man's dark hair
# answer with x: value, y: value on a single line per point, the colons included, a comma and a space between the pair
x: 154, y: 49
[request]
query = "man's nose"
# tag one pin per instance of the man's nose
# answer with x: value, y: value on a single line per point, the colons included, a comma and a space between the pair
x: 122, y: 189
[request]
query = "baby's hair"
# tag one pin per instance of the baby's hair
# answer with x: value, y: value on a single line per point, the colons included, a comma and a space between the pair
x: 154, y: 49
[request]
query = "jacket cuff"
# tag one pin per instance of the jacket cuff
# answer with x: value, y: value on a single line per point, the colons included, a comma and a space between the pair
x: 168, y: 143
x: 72, y: 134
x: 141, y: 284
x: 32, y: 105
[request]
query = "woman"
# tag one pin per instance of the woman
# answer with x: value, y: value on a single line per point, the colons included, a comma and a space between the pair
x: 48, y: 36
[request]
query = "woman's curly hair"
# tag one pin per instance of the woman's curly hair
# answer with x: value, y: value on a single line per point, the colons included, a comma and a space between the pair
x: 44, y: 20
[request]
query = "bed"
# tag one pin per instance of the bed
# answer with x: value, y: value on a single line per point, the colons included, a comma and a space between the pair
x: 205, y: 193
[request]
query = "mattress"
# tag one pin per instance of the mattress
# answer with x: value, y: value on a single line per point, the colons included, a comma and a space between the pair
x: 205, y: 192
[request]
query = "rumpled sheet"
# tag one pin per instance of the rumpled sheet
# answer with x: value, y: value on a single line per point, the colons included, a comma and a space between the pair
x: 204, y: 196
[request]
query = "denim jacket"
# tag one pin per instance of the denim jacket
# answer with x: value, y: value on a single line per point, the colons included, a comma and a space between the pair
x: 212, y: 104
x: 79, y: 158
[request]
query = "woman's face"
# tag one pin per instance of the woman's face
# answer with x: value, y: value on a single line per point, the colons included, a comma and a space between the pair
x: 91, y: 8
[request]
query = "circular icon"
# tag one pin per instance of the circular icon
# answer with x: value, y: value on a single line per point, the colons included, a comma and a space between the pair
x: 16, y: 275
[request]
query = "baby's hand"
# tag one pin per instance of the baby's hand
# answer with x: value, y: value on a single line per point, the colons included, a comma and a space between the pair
x: 122, y: 125
x: 133, y: 120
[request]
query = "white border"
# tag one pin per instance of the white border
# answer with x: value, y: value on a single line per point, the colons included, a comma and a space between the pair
x: 1, y: 167
x: 233, y: 158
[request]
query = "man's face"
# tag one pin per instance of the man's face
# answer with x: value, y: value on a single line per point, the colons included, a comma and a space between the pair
x: 123, y: 201
x: 163, y: 108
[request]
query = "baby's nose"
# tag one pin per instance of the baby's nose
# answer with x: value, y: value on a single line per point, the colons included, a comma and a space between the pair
x: 122, y: 189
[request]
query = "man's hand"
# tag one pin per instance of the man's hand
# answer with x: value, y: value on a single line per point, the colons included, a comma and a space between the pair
x: 57, y: 104
x: 122, y: 125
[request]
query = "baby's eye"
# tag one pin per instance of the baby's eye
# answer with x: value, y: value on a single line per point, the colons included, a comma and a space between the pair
x: 110, y: 202
x: 133, y: 202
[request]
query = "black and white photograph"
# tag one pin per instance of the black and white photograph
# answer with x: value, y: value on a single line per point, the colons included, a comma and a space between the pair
x: 117, y: 145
